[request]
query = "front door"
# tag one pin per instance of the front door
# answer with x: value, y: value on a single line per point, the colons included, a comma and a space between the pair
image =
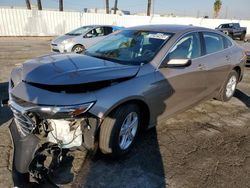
x: 186, y: 84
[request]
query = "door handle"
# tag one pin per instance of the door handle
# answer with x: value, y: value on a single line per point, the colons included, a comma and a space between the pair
x: 201, y: 67
x: 228, y: 58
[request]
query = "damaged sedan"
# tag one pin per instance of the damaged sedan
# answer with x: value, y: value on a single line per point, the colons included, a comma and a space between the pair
x: 127, y: 82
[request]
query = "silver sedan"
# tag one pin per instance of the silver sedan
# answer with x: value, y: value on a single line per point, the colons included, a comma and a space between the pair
x: 131, y: 80
x: 81, y: 38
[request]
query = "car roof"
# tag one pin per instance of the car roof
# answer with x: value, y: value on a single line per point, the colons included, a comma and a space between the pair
x: 168, y: 28
x: 99, y: 26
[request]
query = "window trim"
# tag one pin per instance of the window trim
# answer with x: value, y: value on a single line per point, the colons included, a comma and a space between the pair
x: 223, y: 40
x: 177, y: 40
x: 205, y: 42
x: 160, y: 65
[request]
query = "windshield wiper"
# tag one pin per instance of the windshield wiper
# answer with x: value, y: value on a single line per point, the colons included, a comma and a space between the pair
x: 73, y: 34
x: 100, y: 57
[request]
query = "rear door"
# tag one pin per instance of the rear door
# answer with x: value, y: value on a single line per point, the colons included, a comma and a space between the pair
x: 218, y: 59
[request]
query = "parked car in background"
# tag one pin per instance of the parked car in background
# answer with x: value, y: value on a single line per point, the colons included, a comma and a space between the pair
x: 233, y: 30
x: 131, y: 80
x: 81, y: 38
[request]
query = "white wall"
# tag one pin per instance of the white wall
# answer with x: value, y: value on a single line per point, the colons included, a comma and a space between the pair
x: 22, y: 22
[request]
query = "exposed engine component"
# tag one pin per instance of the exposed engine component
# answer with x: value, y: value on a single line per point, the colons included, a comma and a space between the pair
x: 65, y: 133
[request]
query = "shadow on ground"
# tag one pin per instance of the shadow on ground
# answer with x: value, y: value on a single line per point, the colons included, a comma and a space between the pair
x: 243, y: 97
x: 143, y: 166
x: 5, y: 112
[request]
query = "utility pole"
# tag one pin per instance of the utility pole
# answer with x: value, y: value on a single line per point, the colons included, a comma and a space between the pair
x: 149, y: 8
x: 153, y: 7
x: 115, y: 6
x: 226, y: 12
x: 60, y: 5
x: 107, y: 6
x: 39, y: 5
x: 28, y: 4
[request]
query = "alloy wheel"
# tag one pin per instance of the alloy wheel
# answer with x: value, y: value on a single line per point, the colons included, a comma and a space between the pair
x: 128, y: 130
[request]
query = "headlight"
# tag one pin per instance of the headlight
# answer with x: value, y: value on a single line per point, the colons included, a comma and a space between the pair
x: 67, y: 111
x: 16, y: 76
x: 67, y: 41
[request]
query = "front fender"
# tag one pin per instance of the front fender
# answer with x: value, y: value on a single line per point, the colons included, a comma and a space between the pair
x: 24, y: 149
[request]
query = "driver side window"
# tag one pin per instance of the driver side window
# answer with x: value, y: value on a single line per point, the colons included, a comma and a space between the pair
x: 97, y: 32
x: 187, y: 48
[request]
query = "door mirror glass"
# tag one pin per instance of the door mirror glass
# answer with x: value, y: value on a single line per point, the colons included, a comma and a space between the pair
x: 89, y: 35
x: 178, y: 63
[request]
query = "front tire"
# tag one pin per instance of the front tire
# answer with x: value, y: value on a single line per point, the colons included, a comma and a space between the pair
x: 119, y: 130
x: 229, y: 87
x: 78, y: 49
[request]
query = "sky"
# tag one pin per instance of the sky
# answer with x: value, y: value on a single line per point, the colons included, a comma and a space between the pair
x: 231, y: 9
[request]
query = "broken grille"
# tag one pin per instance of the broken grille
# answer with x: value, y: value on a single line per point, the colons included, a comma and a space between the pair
x: 24, y: 123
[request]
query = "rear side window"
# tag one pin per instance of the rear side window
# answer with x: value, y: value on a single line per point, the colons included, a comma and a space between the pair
x: 225, y: 26
x: 213, y: 42
x: 108, y: 30
x: 236, y: 25
x: 227, y: 42
x: 186, y: 48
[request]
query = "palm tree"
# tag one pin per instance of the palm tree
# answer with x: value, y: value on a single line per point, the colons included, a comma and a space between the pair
x: 60, y: 5
x: 107, y: 6
x: 39, y: 5
x: 217, y: 8
x: 28, y: 4
x: 149, y: 8
x: 115, y: 6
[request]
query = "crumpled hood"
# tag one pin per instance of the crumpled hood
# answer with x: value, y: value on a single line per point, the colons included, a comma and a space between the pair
x: 73, y: 69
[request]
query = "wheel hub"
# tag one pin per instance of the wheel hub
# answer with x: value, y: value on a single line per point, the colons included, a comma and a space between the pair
x: 231, y: 85
x: 128, y: 130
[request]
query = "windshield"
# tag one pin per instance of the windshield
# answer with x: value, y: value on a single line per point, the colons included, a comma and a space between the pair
x: 131, y: 47
x: 79, y: 31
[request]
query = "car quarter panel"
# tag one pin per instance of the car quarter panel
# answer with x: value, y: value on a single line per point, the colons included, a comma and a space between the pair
x: 142, y: 87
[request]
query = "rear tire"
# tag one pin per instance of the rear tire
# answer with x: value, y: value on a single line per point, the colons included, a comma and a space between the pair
x: 231, y: 36
x: 119, y: 130
x: 242, y: 37
x: 229, y: 87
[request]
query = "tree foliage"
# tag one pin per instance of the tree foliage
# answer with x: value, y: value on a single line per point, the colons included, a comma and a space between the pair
x: 217, y: 8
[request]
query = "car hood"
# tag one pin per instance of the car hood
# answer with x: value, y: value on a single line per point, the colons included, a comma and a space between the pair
x: 73, y: 69
x: 60, y: 39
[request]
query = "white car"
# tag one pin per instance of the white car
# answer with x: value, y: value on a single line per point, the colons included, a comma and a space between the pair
x: 81, y: 38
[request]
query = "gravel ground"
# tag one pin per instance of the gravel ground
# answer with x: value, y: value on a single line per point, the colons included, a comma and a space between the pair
x: 206, y: 146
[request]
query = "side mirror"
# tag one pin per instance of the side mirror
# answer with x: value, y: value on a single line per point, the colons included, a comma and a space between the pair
x: 178, y: 63
x: 88, y: 35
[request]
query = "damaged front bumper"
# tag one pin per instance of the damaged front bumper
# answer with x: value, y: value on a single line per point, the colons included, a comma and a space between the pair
x: 64, y: 126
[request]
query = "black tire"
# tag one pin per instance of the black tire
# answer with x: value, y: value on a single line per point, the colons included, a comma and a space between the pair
x: 78, y: 49
x: 231, y: 35
x: 243, y: 36
x: 223, y: 96
x: 109, y: 139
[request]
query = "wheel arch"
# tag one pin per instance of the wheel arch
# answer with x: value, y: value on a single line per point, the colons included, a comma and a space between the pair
x: 143, y: 106
x: 238, y: 70
x: 77, y: 45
